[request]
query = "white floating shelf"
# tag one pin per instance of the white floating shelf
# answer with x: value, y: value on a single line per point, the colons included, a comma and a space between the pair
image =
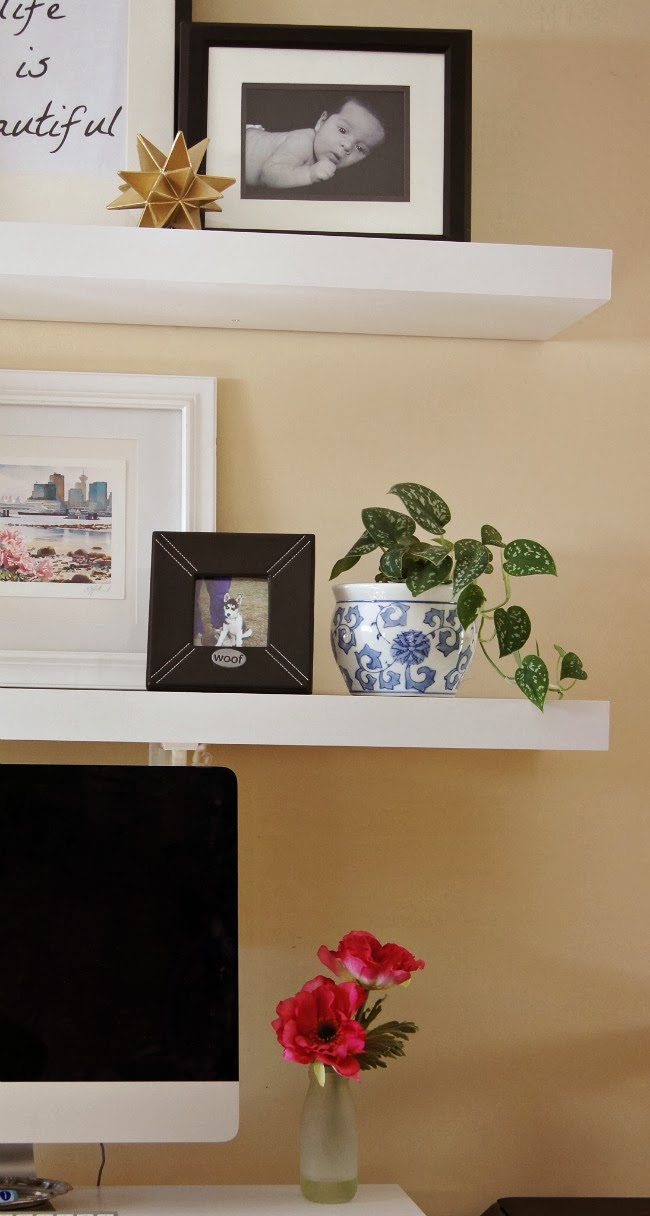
x: 278, y: 719
x: 285, y: 281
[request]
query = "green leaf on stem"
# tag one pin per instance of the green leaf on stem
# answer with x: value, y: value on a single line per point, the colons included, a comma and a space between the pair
x: 434, y: 554
x: 386, y: 527
x: 426, y: 507
x: 470, y: 601
x: 367, y: 1015
x: 391, y: 563
x: 385, y: 1042
x: 523, y: 557
x: 365, y: 544
x: 572, y: 668
x: 490, y: 536
x: 424, y: 576
x: 532, y: 679
x: 471, y: 560
x: 512, y: 627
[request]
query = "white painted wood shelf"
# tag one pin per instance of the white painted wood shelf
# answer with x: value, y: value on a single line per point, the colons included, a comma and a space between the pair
x: 289, y: 281
x: 370, y: 1200
x: 278, y: 720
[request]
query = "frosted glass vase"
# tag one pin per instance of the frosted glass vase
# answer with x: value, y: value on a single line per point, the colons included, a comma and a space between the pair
x: 328, y: 1140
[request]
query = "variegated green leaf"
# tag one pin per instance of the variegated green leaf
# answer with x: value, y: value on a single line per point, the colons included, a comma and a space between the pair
x: 572, y: 668
x: 471, y: 560
x: 490, y: 536
x: 512, y: 627
x: 434, y: 554
x: 532, y: 679
x: 426, y: 507
x: 365, y: 544
x: 527, y: 557
x: 391, y: 563
x: 470, y: 601
x: 386, y: 527
x: 425, y: 576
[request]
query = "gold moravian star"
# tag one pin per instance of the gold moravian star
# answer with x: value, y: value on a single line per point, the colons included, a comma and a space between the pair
x: 169, y: 188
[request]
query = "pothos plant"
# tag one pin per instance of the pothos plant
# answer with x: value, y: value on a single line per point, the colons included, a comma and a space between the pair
x: 423, y: 564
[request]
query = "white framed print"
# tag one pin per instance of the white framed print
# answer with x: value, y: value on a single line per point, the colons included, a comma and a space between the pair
x: 91, y: 464
x: 78, y: 82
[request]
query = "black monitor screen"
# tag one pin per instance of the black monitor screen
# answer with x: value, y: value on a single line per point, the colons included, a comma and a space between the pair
x: 118, y: 907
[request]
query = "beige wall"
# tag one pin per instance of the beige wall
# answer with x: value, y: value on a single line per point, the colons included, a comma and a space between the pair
x: 521, y: 878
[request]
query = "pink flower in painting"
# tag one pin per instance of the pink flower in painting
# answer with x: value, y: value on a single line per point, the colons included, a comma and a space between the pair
x: 44, y: 568
x: 16, y: 560
x: 10, y: 548
x: 318, y: 1025
x: 363, y: 958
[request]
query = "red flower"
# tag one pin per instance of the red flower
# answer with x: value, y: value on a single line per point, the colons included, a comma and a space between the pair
x: 361, y: 957
x: 317, y: 1024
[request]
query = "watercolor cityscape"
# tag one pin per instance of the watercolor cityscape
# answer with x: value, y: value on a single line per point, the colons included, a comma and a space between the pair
x: 55, y: 523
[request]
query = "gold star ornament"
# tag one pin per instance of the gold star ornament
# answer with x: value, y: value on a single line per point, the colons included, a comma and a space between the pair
x: 169, y: 188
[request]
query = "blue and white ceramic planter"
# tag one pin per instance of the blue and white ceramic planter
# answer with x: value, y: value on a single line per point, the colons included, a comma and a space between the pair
x: 387, y: 641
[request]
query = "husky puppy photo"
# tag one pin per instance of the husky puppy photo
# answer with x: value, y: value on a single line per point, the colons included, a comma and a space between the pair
x: 220, y: 605
x: 234, y: 628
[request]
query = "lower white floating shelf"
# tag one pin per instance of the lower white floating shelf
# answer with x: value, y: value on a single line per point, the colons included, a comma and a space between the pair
x: 279, y: 719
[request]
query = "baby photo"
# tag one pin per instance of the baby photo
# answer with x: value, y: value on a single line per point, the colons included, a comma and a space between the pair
x: 325, y: 142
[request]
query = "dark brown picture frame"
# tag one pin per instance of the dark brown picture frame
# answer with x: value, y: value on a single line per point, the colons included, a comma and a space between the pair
x: 179, y: 560
x: 197, y: 39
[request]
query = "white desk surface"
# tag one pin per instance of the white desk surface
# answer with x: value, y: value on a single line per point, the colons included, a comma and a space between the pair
x: 377, y: 1200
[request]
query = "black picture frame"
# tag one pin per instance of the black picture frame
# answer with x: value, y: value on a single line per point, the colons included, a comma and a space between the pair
x: 186, y: 565
x: 430, y: 68
x: 182, y: 13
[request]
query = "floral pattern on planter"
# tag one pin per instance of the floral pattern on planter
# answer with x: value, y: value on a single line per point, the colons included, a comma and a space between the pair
x: 405, y: 645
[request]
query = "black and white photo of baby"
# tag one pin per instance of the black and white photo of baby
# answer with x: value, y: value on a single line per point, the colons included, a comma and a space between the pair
x: 325, y: 142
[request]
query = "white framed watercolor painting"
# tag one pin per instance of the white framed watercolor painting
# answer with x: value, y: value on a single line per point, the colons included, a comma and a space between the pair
x: 91, y: 464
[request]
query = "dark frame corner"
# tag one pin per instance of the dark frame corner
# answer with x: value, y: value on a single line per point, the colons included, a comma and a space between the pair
x: 284, y: 664
x: 195, y: 39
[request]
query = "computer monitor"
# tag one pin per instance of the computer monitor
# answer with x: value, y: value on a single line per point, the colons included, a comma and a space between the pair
x: 118, y: 1005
